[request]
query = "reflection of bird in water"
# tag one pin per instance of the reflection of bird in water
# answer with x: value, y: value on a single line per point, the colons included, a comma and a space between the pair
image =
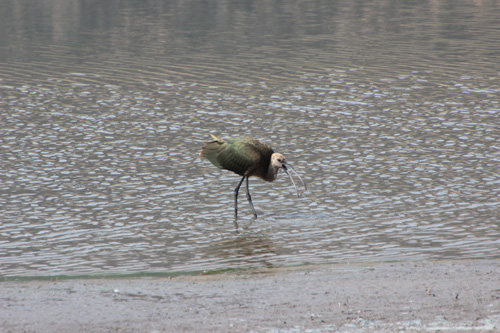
x: 247, y: 157
x: 254, y: 249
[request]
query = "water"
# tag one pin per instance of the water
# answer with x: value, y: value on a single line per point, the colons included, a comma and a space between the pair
x: 389, y: 111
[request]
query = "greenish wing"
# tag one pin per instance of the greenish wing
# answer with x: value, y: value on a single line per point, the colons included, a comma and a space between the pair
x: 210, y: 151
x: 238, y: 156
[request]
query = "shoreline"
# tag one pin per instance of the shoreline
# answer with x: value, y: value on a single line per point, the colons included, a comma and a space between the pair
x: 385, y: 297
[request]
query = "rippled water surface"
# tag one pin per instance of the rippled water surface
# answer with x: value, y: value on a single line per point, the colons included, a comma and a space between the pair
x: 389, y: 110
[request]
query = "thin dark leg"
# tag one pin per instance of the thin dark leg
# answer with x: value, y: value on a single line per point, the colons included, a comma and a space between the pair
x: 236, y: 196
x: 250, y: 200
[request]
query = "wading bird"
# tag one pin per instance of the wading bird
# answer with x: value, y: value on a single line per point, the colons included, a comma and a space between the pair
x: 247, y: 157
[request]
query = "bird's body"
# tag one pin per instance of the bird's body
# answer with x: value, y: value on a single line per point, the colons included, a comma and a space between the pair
x: 244, y: 156
x: 247, y: 157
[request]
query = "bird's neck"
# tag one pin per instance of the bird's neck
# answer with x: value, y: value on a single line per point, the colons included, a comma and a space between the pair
x: 271, y: 174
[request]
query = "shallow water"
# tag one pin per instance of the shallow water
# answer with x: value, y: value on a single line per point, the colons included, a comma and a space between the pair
x: 389, y: 111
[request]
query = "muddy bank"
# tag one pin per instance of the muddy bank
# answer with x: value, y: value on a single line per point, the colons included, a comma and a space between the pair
x: 414, y: 296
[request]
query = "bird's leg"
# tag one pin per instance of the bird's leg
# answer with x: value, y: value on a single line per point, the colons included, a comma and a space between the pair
x: 250, y: 200
x: 236, y: 196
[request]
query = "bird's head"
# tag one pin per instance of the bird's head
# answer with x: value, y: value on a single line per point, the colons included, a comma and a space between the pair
x: 278, y: 161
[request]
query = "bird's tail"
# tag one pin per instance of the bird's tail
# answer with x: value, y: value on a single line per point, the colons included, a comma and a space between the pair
x: 217, y: 139
x: 210, y: 150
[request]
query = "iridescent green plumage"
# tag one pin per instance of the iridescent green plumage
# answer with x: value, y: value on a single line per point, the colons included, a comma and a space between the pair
x: 244, y: 156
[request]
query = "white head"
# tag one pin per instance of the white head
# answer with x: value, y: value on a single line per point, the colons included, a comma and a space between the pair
x: 277, y: 162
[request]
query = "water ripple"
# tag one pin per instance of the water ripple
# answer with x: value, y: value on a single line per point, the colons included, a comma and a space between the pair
x: 397, y: 142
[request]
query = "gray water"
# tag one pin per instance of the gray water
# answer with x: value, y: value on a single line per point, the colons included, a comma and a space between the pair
x: 388, y: 109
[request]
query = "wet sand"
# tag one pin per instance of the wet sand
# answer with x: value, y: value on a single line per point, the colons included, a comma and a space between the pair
x: 382, y: 297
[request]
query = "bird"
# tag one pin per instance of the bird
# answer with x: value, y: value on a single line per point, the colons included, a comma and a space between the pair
x: 247, y: 157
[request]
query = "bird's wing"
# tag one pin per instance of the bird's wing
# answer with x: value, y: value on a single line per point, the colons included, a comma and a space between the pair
x: 239, y: 156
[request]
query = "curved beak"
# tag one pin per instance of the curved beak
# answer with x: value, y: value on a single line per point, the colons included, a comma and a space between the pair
x: 285, y: 166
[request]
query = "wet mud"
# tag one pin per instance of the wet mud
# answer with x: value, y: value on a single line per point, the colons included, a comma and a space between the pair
x: 382, y: 297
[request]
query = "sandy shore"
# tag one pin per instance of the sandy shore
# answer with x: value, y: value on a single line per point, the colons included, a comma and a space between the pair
x: 382, y: 297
